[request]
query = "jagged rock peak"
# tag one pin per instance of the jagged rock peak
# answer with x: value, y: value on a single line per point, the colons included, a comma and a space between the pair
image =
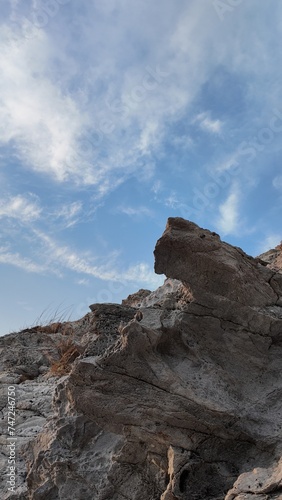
x: 211, y: 267
x: 174, y: 394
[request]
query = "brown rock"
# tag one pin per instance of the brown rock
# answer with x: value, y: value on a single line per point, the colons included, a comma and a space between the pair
x: 273, y: 258
x: 135, y: 299
x: 211, y: 267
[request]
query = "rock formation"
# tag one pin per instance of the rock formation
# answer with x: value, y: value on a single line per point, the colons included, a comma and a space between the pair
x: 182, y: 401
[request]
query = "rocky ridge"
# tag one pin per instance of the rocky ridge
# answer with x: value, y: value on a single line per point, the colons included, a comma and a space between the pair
x: 184, y: 404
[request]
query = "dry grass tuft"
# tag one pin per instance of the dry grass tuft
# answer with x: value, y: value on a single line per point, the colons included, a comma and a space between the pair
x: 52, y: 328
x: 67, y: 349
x: 58, y: 327
x: 68, y: 352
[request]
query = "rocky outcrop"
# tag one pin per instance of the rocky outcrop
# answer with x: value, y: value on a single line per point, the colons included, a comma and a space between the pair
x: 273, y: 258
x: 183, y: 404
x: 214, y: 269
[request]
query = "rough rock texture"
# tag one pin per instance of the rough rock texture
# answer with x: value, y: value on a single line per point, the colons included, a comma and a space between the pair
x: 273, y: 258
x: 184, y: 404
x: 135, y: 299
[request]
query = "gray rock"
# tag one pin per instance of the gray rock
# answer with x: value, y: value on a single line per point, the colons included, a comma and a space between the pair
x: 184, y: 404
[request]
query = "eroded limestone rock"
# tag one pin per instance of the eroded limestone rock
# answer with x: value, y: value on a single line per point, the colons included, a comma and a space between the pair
x: 183, y: 404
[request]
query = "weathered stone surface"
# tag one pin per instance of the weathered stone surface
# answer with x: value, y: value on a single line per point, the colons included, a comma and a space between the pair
x: 135, y: 299
x: 260, y: 483
x: 183, y: 404
x: 273, y: 258
x: 211, y: 267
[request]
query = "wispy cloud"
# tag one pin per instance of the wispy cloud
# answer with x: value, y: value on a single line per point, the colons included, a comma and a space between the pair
x: 207, y: 124
x: 228, y: 222
x: 16, y: 260
x: 38, y: 118
x: 23, y: 208
x: 135, y: 211
x: 183, y: 142
x: 172, y: 200
x: 68, y: 213
x: 270, y: 242
x: 157, y: 187
x: 228, y: 163
x: 83, y: 282
x: 277, y: 182
x: 62, y: 258
x: 149, y: 138
x: 114, y: 121
x: 142, y: 272
x: 62, y: 133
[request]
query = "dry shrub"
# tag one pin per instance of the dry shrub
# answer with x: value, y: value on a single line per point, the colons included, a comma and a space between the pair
x: 52, y: 328
x: 68, y: 352
x: 63, y: 328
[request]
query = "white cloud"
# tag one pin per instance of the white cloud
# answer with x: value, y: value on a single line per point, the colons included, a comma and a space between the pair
x: 228, y: 222
x: 277, y: 182
x: 15, y: 259
x: 22, y: 208
x: 83, y: 282
x: 117, y: 118
x: 69, y: 213
x: 172, y: 201
x: 157, y: 187
x: 142, y: 273
x: 85, y: 115
x: 95, y: 119
x: 64, y: 134
x: 149, y: 137
x: 270, y: 242
x: 135, y: 211
x: 38, y: 118
x: 63, y: 257
x: 206, y: 123
x: 59, y: 257
x: 227, y: 164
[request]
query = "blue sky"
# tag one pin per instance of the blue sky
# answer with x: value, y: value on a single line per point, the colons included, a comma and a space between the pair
x: 116, y: 115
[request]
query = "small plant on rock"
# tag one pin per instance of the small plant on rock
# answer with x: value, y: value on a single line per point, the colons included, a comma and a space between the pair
x: 68, y: 352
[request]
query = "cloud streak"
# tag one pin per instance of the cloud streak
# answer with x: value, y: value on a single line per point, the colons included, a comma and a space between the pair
x: 68, y: 213
x: 228, y: 222
x: 16, y: 260
x: 135, y: 211
x: 24, y: 209
x: 56, y: 258
x: 207, y: 124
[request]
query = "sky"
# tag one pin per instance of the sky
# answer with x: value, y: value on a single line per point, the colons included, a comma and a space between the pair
x: 117, y: 115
